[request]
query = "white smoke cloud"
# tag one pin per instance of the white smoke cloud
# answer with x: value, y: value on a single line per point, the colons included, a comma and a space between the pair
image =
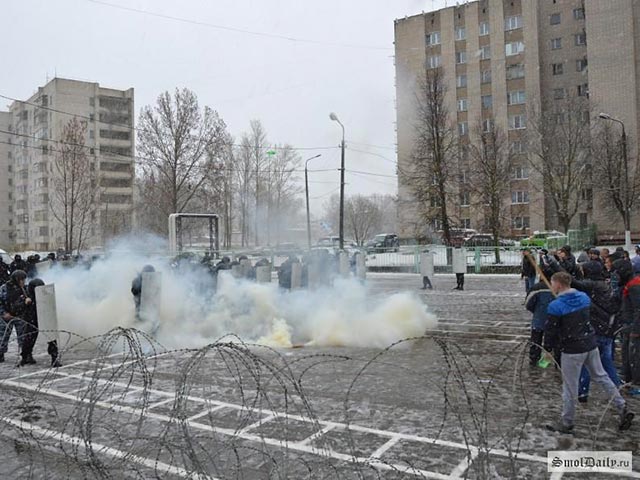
x: 92, y: 301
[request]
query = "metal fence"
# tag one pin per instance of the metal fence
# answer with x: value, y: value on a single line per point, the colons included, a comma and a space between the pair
x: 479, y: 259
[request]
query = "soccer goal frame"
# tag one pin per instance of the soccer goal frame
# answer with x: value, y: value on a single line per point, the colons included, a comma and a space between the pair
x: 175, y: 230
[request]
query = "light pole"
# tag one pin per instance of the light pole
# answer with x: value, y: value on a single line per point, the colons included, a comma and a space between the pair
x: 627, y: 213
x: 334, y: 117
x: 306, y: 189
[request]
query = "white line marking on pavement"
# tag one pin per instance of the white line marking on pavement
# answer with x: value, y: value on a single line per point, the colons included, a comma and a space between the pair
x: 101, y: 449
x: 317, y: 435
x: 464, y: 465
x: 205, y: 412
x: 386, y: 446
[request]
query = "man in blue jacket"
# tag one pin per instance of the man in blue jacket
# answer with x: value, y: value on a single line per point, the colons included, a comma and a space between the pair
x: 569, y: 328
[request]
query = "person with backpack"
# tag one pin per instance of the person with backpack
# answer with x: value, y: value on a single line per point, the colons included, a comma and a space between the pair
x: 604, y: 319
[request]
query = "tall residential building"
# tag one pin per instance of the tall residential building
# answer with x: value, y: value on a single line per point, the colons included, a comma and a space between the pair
x: 502, y: 59
x: 37, y: 140
x: 6, y: 180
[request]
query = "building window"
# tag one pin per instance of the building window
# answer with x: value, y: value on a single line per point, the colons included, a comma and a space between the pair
x: 557, y: 68
x: 583, y: 90
x: 517, y: 122
x: 92, y: 134
x: 462, y: 105
x: 465, y: 199
x: 433, y: 62
x: 558, y: 93
x: 92, y: 101
x: 555, y: 19
x: 485, y: 76
x: 465, y: 223
x: 487, y: 125
x: 520, y: 197
x: 513, y: 48
x: 513, y: 23
x: 583, y: 220
x: 556, y: 43
x: 433, y: 38
x: 484, y: 29
x: 517, y: 97
x: 461, y: 57
x: 578, y: 13
x: 461, y: 33
x: 463, y: 128
x: 92, y: 117
x: 515, y: 71
x: 580, y: 39
x: 520, y: 173
x: 487, y: 101
x: 581, y: 65
x: 520, y: 222
x: 461, y: 81
x: 43, y: 231
x: 485, y: 52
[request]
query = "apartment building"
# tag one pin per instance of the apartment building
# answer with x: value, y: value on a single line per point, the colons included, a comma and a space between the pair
x: 501, y: 60
x: 36, y: 127
x: 6, y: 180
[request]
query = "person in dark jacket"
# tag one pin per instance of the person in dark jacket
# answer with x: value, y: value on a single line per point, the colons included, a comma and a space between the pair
x: 4, y: 272
x: 18, y: 264
x: 604, y: 307
x: 284, y: 272
x: 136, y: 287
x: 528, y: 272
x: 30, y: 332
x: 568, y: 326
x: 537, y: 302
x: 13, y: 303
x: 630, y: 316
x: 568, y: 261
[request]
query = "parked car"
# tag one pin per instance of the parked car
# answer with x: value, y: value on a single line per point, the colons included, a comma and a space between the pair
x: 333, y: 242
x: 384, y: 242
x: 458, y: 236
x: 541, y: 239
x: 486, y: 240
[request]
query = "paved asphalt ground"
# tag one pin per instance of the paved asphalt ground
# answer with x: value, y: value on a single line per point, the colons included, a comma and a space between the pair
x: 462, y: 402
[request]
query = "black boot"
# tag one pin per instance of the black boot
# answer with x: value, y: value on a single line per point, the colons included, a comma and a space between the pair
x: 1, y: 357
x: 52, y: 349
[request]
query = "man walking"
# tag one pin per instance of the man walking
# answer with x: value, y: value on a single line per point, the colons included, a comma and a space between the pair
x: 568, y: 326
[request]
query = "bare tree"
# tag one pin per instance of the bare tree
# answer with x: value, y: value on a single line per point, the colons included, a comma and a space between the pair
x: 490, y: 163
x: 255, y: 142
x: 362, y: 216
x: 283, y: 186
x: 432, y: 169
x: 75, y: 186
x: 618, y: 181
x: 244, y: 174
x: 177, y: 142
x: 559, y: 139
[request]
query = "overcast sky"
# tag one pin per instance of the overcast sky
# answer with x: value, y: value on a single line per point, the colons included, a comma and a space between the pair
x: 337, y: 56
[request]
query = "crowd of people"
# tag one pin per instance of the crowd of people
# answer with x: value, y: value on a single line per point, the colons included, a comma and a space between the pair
x: 583, y: 309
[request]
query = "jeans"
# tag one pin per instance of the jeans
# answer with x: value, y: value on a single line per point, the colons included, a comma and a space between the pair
x: 529, y: 282
x: 572, y: 364
x: 534, y: 346
x: 605, y: 347
x: 6, y: 326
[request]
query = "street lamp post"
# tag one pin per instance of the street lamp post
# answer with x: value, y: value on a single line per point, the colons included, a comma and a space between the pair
x: 334, y: 117
x: 627, y: 213
x: 306, y: 189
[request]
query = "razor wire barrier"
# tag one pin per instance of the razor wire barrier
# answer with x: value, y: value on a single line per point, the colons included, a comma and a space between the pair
x: 123, y: 406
